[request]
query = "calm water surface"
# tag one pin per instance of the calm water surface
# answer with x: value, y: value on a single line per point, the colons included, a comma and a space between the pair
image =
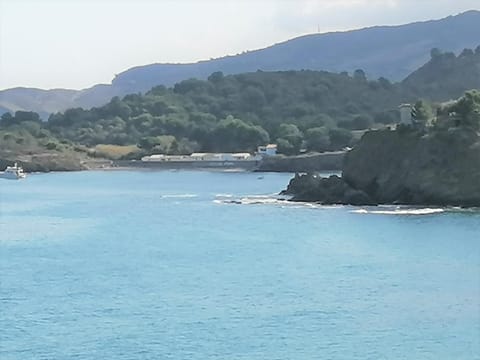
x: 175, y: 265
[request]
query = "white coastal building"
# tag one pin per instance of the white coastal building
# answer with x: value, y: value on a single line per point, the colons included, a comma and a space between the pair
x: 267, y: 150
x: 202, y: 157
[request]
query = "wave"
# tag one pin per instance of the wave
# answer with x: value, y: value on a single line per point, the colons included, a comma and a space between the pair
x: 254, y: 200
x: 178, y: 196
x: 223, y: 195
x: 275, y: 199
x: 283, y: 201
x: 401, y: 211
x: 251, y: 201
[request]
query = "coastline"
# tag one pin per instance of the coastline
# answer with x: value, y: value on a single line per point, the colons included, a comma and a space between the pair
x: 312, y: 162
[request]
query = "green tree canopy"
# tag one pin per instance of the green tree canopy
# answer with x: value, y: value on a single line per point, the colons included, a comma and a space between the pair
x: 467, y: 110
x: 234, y: 135
x: 317, y: 139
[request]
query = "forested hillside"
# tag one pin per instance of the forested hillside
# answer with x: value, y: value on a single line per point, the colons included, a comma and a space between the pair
x: 299, y: 110
x: 238, y: 113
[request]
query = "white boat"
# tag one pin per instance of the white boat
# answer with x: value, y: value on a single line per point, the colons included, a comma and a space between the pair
x: 13, y: 172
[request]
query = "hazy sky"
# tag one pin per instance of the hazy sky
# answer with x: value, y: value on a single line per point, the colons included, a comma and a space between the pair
x: 78, y: 43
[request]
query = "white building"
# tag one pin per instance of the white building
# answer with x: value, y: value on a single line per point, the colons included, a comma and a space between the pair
x: 203, y: 157
x: 268, y: 150
x: 405, y: 114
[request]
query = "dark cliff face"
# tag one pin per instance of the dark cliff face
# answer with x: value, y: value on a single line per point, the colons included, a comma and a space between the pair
x: 408, y: 167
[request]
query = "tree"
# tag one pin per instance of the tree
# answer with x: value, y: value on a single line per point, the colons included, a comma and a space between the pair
x: 117, y: 107
x: 7, y: 119
x: 33, y: 127
x: 253, y: 98
x: 422, y: 111
x: 317, y: 139
x: 157, y: 144
x: 216, y: 77
x: 233, y: 135
x: 361, y: 122
x: 159, y: 107
x: 467, y: 110
x: 143, y: 123
x: 387, y: 117
x: 158, y: 90
x: 193, y: 86
x: 285, y: 147
x: 26, y: 116
x: 339, y: 138
x: 292, y: 134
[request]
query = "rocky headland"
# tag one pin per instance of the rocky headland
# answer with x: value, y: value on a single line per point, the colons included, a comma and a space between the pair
x: 408, y: 166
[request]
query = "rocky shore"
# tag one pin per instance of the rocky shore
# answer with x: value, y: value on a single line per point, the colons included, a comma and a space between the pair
x: 405, y: 166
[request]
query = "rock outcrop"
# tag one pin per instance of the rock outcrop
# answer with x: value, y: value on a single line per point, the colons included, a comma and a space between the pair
x: 332, y: 190
x: 406, y: 166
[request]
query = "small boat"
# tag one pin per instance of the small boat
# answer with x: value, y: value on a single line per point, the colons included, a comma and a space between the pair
x: 14, y: 172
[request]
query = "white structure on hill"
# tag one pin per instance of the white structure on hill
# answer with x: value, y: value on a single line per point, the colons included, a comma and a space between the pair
x: 406, y: 114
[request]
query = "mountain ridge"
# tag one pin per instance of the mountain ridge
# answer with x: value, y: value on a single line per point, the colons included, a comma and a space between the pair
x: 392, y: 52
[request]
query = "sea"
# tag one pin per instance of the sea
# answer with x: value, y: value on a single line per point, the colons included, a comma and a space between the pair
x: 214, y: 265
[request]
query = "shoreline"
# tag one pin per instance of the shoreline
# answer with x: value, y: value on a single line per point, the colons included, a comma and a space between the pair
x: 399, y: 208
x: 312, y: 162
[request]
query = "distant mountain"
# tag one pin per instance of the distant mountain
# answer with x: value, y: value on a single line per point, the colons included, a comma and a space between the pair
x: 389, y: 51
x: 45, y: 102
x: 392, y: 52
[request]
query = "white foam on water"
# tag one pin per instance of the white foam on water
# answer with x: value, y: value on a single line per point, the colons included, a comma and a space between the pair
x: 178, y: 196
x: 223, y: 195
x: 254, y: 200
x: 360, y: 211
x: 401, y: 211
x: 250, y: 200
x: 264, y: 196
x: 276, y: 200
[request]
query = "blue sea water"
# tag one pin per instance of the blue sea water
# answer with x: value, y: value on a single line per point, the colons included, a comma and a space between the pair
x: 204, y: 265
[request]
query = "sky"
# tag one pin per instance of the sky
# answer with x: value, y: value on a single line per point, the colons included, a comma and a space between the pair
x: 78, y: 43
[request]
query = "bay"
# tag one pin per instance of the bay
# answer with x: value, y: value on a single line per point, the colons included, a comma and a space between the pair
x: 197, y: 265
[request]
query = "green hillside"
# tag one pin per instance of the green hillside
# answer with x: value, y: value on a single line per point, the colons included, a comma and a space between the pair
x: 445, y: 76
x: 298, y: 110
x: 238, y: 113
